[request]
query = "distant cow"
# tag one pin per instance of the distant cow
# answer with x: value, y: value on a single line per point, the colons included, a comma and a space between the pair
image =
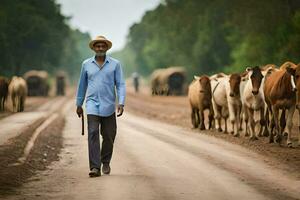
x: 169, y: 81
x: 18, y: 92
x: 3, y: 91
x: 37, y: 82
x: 199, y: 95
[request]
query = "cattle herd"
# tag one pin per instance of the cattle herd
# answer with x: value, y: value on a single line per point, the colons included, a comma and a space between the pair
x: 33, y: 83
x: 269, y: 90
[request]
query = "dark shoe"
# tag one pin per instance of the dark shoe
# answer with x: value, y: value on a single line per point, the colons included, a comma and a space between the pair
x: 106, y: 168
x: 95, y: 172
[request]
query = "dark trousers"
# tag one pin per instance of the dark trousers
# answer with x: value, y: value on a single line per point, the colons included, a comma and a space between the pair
x: 108, y: 130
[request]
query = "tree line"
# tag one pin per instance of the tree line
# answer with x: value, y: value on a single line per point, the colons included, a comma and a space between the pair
x: 35, y: 35
x: 208, y: 36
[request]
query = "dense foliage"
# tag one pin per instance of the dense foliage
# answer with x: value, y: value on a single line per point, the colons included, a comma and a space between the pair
x: 208, y: 36
x: 35, y: 35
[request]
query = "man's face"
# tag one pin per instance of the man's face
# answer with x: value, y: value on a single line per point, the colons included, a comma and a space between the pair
x: 100, y: 48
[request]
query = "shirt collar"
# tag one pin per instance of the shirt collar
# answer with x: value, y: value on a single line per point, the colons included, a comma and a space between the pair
x: 107, y: 59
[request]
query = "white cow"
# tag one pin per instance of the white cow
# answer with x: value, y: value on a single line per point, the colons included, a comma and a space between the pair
x: 226, y: 96
x: 253, y: 100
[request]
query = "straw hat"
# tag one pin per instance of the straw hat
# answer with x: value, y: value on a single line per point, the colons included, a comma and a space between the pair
x: 100, y: 38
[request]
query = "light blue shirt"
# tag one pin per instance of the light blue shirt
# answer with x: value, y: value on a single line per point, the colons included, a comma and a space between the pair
x: 99, y: 84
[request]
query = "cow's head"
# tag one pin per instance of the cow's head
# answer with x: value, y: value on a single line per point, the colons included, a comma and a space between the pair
x: 234, y: 82
x: 256, y: 77
x: 294, y: 77
x: 204, y: 83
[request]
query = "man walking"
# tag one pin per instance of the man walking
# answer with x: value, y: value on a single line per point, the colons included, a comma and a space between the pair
x: 101, y: 78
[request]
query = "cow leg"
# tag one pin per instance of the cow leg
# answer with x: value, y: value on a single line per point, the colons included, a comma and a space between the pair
x: 22, y: 104
x: 211, y: 117
x: 13, y: 102
x: 246, y: 120
x: 218, y: 122
x: 241, y: 124
x: 1, y: 103
x: 262, y: 122
x: 193, y: 117
x: 225, y: 125
x: 241, y: 118
x: 267, y: 122
x: 18, y: 104
x: 290, y: 125
x: 282, y: 122
x: 217, y: 113
x: 278, y: 137
x: 246, y: 128
x: 252, y: 124
x: 232, y: 117
x: 197, y: 117
x: 269, y: 119
x: 237, y: 112
x: 271, y: 124
x: 201, y: 120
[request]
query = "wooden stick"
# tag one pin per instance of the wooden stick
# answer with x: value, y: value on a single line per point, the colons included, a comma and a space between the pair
x: 82, y: 123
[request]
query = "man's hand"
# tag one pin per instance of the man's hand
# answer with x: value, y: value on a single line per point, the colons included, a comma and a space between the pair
x: 120, y: 110
x: 79, y: 111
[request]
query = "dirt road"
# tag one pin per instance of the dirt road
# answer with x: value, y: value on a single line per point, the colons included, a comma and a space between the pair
x: 14, y: 124
x: 31, y: 140
x: 153, y: 160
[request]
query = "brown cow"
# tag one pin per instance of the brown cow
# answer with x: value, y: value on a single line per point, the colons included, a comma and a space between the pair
x: 280, y: 93
x: 18, y: 92
x: 297, y: 82
x: 3, y: 92
x: 199, y: 95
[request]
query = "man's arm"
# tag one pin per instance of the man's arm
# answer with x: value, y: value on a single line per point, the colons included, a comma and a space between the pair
x: 121, y: 89
x: 81, y: 90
